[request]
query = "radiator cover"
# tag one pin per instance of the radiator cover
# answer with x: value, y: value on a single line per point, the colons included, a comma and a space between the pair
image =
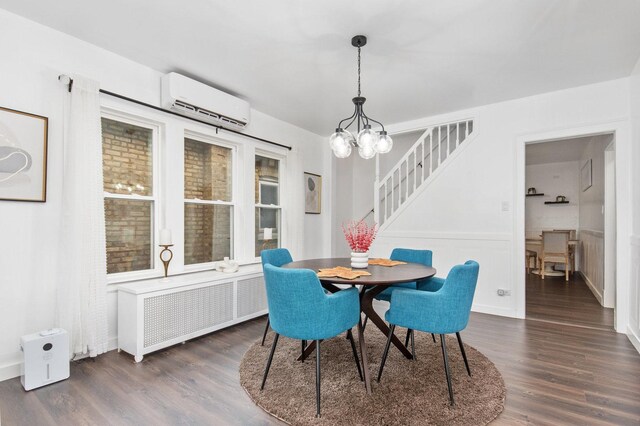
x: 152, y: 317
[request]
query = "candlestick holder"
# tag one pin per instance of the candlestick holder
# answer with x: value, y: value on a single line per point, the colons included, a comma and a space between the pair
x: 165, y: 256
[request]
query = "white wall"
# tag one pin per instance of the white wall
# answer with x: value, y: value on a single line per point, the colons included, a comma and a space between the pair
x: 591, y: 231
x: 475, y: 207
x: 634, y: 273
x: 552, y: 179
x: 32, y: 58
x: 592, y: 200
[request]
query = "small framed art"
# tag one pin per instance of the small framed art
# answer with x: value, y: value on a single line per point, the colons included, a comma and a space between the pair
x: 585, y: 176
x: 23, y: 156
x: 312, y: 193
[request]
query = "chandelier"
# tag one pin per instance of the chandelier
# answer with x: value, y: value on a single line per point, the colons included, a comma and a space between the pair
x: 368, y: 142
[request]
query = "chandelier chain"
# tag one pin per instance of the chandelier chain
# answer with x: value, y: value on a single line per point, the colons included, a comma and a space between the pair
x: 358, y: 70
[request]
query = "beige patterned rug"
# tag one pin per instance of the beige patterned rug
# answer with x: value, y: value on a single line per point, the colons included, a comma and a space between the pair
x: 410, y: 392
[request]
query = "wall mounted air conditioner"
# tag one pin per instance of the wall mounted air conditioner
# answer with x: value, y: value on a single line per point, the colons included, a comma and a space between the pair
x: 195, y: 99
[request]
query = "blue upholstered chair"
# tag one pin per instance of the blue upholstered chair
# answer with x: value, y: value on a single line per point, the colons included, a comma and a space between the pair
x: 406, y: 255
x: 299, y: 308
x: 275, y: 257
x: 424, y: 257
x: 442, y: 310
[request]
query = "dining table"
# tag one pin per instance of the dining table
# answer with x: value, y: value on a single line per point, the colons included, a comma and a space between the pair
x: 370, y: 286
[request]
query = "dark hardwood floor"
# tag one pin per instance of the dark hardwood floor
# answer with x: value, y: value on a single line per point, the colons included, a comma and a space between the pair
x: 556, y: 300
x: 555, y: 374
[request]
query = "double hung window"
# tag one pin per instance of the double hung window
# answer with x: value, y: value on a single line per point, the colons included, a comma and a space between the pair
x: 129, y: 195
x: 208, y: 202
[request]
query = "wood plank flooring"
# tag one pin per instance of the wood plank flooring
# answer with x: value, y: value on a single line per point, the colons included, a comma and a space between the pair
x: 555, y: 374
x: 556, y: 300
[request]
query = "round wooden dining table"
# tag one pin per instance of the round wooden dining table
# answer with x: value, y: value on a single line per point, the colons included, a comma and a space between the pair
x: 381, y: 277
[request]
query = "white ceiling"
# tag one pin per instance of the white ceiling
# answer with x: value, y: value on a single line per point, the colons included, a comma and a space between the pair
x: 559, y: 151
x: 293, y: 59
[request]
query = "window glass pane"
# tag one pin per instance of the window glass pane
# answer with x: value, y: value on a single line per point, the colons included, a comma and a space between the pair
x: 207, y: 232
x: 127, y: 157
x: 267, y: 170
x: 267, y: 222
x: 207, y: 171
x: 129, y: 236
x: 268, y: 193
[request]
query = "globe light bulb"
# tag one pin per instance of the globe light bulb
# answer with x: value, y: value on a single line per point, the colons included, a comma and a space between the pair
x: 342, y: 150
x: 336, y: 139
x: 366, y: 137
x: 384, y: 143
x: 367, y: 152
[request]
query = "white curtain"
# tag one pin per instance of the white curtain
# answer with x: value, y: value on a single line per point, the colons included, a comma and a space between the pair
x: 82, y: 278
x: 295, y: 216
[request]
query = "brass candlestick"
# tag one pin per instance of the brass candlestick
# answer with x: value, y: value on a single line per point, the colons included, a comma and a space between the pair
x: 165, y: 260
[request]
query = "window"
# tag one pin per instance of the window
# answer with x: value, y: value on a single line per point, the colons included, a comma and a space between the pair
x: 208, y: 202
x: 127, y: 155
x: 267, y: 198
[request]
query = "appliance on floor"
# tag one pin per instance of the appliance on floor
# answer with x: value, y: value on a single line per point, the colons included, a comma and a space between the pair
x: 46, y: 358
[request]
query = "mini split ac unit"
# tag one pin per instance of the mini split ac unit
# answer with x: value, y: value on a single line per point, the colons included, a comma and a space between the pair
x: 195, y: 99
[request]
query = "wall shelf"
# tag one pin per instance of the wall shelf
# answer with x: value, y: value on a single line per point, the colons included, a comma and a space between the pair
x: 556, y: 202
x: 535, y: 195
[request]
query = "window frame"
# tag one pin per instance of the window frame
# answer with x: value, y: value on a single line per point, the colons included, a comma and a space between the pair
x: 203, y: 138
x: 155, y: 199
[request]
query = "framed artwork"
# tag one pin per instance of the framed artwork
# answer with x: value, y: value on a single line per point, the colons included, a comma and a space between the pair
x: 23, y: 156
x: 312, y: 193
x: 585, y: 176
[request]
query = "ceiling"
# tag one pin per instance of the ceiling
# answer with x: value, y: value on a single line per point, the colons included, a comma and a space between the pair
x: 293, y: 59
x: 559, y: 151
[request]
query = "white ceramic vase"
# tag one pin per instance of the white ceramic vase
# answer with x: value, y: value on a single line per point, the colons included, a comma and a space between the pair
x: 359, y: 260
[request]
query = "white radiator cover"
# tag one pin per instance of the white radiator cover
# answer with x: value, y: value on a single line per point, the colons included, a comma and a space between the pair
x: 153, y: 315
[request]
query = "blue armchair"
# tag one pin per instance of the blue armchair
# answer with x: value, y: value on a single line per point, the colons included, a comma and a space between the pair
x: 275, y: 257
x: 407, y: 255
x: 300, y: 309
x: 442, y: 311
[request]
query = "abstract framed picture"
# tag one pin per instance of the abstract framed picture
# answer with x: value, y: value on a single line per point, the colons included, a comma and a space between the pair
x: 312, y: 193
x: 585, y: 176
x: 23, y: 156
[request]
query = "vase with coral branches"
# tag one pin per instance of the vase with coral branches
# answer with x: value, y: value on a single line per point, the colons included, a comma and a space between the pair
x: 359, y: 236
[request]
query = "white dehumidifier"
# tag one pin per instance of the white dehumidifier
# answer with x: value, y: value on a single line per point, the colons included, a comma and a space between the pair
x: 46, y: 358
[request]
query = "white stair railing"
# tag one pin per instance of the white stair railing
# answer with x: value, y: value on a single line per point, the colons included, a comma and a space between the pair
x: 414, y: 170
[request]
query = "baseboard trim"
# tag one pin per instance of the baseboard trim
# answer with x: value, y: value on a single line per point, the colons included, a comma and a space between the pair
x: 494, y: 310
x: 10, y: 371
x: 599, y: 297
x: 633, y: 337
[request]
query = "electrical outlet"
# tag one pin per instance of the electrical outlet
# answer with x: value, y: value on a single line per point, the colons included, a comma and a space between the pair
x: 503, y: 292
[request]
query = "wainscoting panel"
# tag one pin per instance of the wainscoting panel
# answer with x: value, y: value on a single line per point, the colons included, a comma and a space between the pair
x: 591, y: 251
x: 493, y: 251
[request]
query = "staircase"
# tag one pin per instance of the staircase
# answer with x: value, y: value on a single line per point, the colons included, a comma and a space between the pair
x: 433, y: 150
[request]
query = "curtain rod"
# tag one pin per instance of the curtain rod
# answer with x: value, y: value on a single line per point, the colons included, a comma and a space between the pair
x: 69, y: 81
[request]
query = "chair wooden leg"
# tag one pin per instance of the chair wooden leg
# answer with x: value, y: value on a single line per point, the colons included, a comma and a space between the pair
x: 317, y: 378
x: 464, y: 355
x: 446, y: 366
x: 364, y: 324
x: 413, y: 345
x: 566, y: 271
x: 433, y: 337
x: 542, y: 269
x: 273, y: 350
x: 266, y: 329
x: 386, y: 351
x: 406, y: 339
x: 304, y: 345
x: 355, y: 353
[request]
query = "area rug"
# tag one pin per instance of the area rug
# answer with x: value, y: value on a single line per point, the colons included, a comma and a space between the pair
x: 410, y: 392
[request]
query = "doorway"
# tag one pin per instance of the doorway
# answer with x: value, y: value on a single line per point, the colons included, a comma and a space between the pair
x: 570, y: 190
